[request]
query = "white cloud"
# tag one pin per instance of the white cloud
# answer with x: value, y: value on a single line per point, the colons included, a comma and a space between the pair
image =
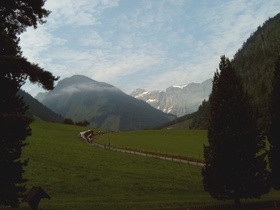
x: 77, y: 13
x: 82, y: 88
x: 184, y: 74
x: 35, y: 43
x: 123, y: 66
x: 94, y: 40
x: 147, y: 44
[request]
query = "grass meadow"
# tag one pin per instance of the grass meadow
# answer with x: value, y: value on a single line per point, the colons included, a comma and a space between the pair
x: 79, y: 176
x: 185, y: 143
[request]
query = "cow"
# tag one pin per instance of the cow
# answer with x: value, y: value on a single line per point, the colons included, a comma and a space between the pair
x: 87, y: 135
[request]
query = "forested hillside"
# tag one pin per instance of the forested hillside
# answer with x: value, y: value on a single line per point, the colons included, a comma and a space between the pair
x: 255, y: 63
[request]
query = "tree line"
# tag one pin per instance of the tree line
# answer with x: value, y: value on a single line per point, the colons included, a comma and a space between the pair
x: 69, y: 121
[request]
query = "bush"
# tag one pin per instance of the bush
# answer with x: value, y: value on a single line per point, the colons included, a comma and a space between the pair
x: 68, y: 121
x: 82, y: 123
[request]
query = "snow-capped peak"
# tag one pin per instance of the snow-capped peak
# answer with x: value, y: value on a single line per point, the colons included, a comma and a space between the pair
x: 142, y: 94
x: 179, y: 86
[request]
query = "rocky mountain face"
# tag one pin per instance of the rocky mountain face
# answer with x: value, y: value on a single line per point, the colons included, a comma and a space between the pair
x: 103, y: 105
x: 178, y: 100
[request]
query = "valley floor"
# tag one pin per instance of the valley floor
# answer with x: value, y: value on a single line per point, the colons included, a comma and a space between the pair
x: 79, y: 176
x: 181, y: 159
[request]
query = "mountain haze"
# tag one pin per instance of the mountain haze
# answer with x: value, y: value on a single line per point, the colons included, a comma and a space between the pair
x: 103, y: 105
x: 37, y: 110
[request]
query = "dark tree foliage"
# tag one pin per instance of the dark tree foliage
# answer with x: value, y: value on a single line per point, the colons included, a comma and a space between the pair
x: 274, y: 131
x: 15, y: 16
x: 235, y: 167
x: 84, y: 123
x: 68, y: 121
x: 201, y: 117
x: 255, y: 63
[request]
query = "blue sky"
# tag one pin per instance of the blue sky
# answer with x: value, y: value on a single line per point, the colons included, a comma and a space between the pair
x: 149, y: 44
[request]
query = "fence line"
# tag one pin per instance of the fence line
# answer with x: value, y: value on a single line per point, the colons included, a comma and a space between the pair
x: 270, y: 205
x: 190, y: 161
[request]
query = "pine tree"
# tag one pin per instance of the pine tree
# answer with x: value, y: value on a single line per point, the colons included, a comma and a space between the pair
x: 234, y: 168
x: 15, y: 16
x: 274, y: 131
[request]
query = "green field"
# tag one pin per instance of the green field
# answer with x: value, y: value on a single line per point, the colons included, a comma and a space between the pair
x: 80, y: 176
x: 185, y: 143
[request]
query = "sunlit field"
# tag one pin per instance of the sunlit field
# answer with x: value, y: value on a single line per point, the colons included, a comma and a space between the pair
x: 185, y: 143
x: 80, y: 176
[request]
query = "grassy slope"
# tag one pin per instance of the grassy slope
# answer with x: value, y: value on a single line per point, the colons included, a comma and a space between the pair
x: 79, y: 176
x: 187, y: 143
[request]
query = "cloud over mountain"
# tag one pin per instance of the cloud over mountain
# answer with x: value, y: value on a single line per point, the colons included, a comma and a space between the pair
x: 152, y: 43
x: 103, y: 105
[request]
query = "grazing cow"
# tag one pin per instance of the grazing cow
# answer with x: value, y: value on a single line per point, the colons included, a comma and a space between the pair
x: 87, y: 135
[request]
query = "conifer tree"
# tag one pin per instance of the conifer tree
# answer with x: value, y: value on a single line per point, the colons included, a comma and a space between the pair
x: 235, y: 168
x: 274, y: 131
x: 15, y: 16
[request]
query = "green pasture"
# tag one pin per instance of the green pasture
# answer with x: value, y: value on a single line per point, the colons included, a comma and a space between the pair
x: 186, y: 143
x: 79, y: 176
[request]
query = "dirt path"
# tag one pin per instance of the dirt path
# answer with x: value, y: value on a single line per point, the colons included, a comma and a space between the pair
x: 146, y: 154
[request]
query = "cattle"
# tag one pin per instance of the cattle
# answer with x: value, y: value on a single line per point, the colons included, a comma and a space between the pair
x: 87, y: 135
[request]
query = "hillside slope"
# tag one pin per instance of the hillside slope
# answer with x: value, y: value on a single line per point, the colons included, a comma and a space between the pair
x: 255, y: 62
x: 37, y: 110
x: 103, y: 105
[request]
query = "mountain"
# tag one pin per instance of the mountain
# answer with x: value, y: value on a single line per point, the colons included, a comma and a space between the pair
x: 37, y: 110
x: 179, y: 99
x: 103, y: 105
x: 255, y: 63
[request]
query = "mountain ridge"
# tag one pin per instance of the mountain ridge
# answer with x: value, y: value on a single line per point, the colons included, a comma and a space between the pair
x: 103, y: 105
x: 177, y: 99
